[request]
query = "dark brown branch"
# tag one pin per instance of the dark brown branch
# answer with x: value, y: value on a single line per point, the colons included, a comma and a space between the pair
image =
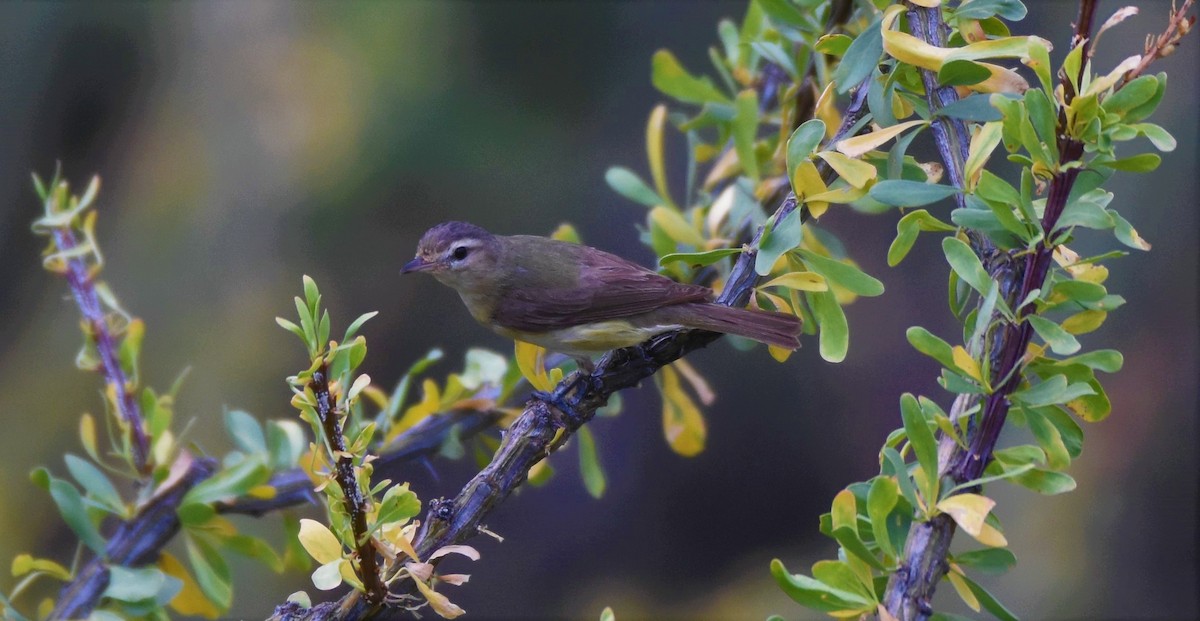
x: 94, y: 317
x: 910, y: 590
x: 136, y: 542
x: 356, y: 504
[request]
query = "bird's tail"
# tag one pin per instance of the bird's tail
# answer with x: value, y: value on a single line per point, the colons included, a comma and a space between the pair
x: 778, y: 329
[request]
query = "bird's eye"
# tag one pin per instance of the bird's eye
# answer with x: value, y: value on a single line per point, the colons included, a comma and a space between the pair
x: 460, y: 253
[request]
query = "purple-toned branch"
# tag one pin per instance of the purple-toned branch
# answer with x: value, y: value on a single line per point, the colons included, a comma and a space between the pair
x: 910, y: 589
x: 84, y: 291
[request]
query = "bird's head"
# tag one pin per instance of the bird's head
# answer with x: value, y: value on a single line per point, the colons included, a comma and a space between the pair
x: 458, y: 254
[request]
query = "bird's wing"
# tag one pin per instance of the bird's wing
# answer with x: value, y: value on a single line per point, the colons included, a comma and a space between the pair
x: 606, y: 287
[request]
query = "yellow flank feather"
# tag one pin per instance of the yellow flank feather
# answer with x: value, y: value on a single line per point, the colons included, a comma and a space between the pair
x: 589, y: 338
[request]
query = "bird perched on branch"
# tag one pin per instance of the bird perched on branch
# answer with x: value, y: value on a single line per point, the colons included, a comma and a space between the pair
x: 575, y: 299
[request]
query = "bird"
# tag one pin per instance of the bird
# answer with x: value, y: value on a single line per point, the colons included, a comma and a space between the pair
x: 575, y: 299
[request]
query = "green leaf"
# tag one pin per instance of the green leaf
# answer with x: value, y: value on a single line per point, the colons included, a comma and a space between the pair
x: 782, y: 11
x: 626, y: 183
x: 835, y: 332
x: 1068, y: 430
x: 96, y: 483
x: 815, y: 594
x: 589, y: 464
x: 229, y: 483
x: 672, y: 79
x: 247, y: 434
x: 844, y: 274
x: 777, y: 239
x: 745, y: 130
x: 988, y: 560
x: 905, y: 193
x: 1052, y: 391
x: 1011, y: 10
x: 860, y: 59
x: 923, y: 443
x: 1057, y: 456
x: 881, y: 499
x: 1046, y: 482
x: 135, y: 585
x: 964, y: 263
x: 900, y: 470
x: 699, y: 258
x: 1159, y: 137
x: 907, y: 230
x: 1143, y: 162
x: 74, y: 513
x: 1107, y: 360
x: 1137, y: 92
x: 962, y: 73
x: 211, y: 572
x: 356, y: 324
x: 977, y: 108
x: 286, y: 442
x: 1060, y: 341
x: 803, y: 142
x: 931, y: 345
x: 989, y: 601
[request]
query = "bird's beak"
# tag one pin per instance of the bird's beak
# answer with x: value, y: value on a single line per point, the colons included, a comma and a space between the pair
x: 416, y: 265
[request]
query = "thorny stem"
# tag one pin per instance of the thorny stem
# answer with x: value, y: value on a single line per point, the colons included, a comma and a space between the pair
x: 84, y: 292
x: 356, y: 503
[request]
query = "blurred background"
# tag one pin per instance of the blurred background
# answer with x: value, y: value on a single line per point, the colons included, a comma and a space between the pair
x: 244, y: 144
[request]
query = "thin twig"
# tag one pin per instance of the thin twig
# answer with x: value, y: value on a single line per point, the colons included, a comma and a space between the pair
x: 1178, y: 25
x: 84, y: 291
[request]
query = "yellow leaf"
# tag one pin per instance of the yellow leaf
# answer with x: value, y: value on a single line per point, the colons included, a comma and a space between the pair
x: 806, y: 181
x: 319, y: 542
x: 440, y: 604
x: 982, y: 144
x: 190, y: 600
x: 699, y: 385
x: 855, y: 172
x: 1084, y: 321
x: 565, y: 232
x: 25, y: 563
x: 654, y: 151
x: 960, y: 587
x: 989, y: 536
x: 675, y: 226
x: 964, y: 361
x: 346, y: 571
x: 430, y: 403
x: 929, y: 4
x: 800, y: 281
x: 87, y: 433
x: 778, y: 353
x: 722, y: 169
x: 531, y: 359
x: 969, y: 510
x: 683, y: 425
x: 399, y: 535
x: 775, y: 302
x: 840, y: 196
x: 859, y: 145
x: 826, y: 109
x: 883, y: 613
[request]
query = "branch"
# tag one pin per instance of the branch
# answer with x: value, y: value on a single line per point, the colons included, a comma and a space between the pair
x: 910, y: 590
x: 356, y: 504
x: 136, y: 542
x: 535, y: 434
x: 1178, y: 25
x: 79, y: 278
